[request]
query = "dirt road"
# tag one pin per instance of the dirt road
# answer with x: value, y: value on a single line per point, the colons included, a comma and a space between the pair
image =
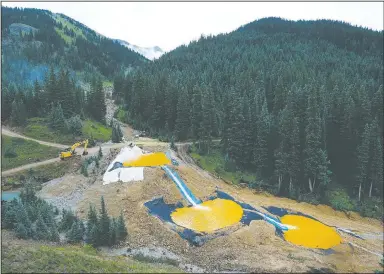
x: 79, y: 151
x: 14, y: 134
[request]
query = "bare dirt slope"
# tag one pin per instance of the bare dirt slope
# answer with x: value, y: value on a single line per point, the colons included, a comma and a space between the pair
x: 251, y: 248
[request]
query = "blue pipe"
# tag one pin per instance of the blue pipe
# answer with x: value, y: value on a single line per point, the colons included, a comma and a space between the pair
x: 184, y: 190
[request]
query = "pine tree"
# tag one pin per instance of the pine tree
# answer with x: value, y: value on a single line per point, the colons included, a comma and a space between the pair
x: 363, y: 159
x: 196, y: 112
x: 92, y: 218
x: 182, y: 121
x: 263, y: 131
x: 6, y: 104
x: 75, y: 234
x: 236, y: 132
x: 19, y: 113
x: 205, y: 130
x: 51, y: 86
x: 294, y: 157
x: 104, y: 224
x: 68, y: 219
x: 121, y: 230
x: 324, y: 171
x: 9, y: 217
x: 22, y: 218
x: 94, y: 235
x: 21, y: 232
x: 376, y: 162
x: 312, y: 143
x: 56, y: 118
x: 42, y: 231
x: 96, y: 101
x: 117, y: 134
x: 55, y: 237
x: 112, y: 239
x: 74, y: 125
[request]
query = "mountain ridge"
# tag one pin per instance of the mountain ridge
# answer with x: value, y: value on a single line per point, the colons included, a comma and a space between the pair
x: 60, y: 41
x: 150, y: 53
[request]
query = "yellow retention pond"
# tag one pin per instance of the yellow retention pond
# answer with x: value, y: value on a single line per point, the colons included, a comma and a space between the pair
x: 151, y: 159
x: 310, y: 233
x: 208, y: 216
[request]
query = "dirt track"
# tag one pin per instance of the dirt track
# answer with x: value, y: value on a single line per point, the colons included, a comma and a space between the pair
x: 14, y: 134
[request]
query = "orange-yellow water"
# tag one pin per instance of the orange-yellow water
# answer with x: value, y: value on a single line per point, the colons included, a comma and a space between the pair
x: 152, y: 159
x: 310, y: 233
x: 208, y: 216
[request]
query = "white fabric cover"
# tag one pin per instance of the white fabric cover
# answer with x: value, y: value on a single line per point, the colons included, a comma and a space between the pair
x: 125, y: 174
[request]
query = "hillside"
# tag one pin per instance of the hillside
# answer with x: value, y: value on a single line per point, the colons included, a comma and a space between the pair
x: 298, y: 104
x: 56, y: 73
x: 34, y: 40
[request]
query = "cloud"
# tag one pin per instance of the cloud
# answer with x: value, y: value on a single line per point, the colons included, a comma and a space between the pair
x: 170, y: 24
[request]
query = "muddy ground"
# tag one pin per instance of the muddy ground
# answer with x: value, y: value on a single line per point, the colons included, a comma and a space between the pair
x: 253, y: 248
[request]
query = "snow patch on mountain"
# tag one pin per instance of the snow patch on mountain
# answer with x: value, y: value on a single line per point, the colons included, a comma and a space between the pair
x: 149, y: 53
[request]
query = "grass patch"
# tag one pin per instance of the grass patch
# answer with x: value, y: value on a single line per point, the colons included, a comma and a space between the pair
x: 70, y: 26
x: 66, y: 38
x: 17, y: 152
x: 41, y: 174
x: 214, y: 163
x: 71, y: 259
x: 107, y: 84
x: 38, y: 128
x: 99, y: 131
x: 142, y: 258
x: 120, y: 115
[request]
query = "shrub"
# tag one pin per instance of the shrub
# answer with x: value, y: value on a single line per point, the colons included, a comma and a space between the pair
x: 339, y: 199
x: 10, y: 153
x: 371, y: 207
x: 229, y: 166
x: 218, y: 170
x: 74, y: 125
x: 310, y: 199
x: 84, y: 168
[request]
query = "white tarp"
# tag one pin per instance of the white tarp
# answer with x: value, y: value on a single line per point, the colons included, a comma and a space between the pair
x: 125, y: 174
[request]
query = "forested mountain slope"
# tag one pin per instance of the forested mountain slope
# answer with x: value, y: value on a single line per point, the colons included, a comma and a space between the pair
x: 54, y: 72
x: 298, y: 103
x: 34, y: 39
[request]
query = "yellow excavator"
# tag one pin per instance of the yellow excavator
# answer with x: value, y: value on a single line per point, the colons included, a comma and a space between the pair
x: 69, y: 152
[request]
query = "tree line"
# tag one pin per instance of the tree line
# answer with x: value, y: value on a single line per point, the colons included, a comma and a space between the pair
x: 303, y: 112
x: 33, y: 218
x: 57, y: 98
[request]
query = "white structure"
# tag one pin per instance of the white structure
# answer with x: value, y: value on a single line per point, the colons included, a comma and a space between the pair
x: 125, y: 174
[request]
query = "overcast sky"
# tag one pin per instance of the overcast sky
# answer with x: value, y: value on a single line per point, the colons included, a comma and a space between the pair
x: 170, y: 24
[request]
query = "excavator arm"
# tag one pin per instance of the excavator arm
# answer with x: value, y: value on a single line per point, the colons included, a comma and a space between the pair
x: 71, y: 152
x: 85, y: 152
